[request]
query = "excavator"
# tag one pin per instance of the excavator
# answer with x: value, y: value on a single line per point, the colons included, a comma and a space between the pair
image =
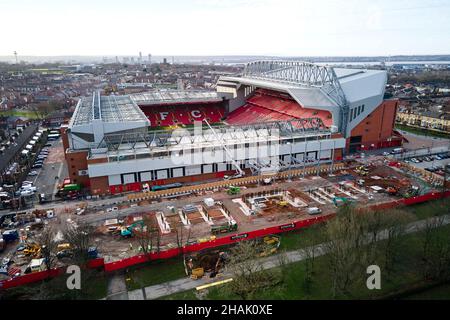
x: 127, y: 231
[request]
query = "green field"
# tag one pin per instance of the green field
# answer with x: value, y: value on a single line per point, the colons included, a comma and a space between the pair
x: 21, y: 113
x: 422, y: 132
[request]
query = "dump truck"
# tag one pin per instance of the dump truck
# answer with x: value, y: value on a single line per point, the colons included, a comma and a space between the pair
x: 229, y: 226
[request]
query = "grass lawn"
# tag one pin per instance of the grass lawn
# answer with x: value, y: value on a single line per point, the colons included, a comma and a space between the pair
x: 155, y: 272
x: 430, y: 209
x: 422, y: 132
x: 94, y: 288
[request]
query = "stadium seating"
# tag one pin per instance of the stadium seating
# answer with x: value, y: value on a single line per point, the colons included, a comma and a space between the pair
x: 267, y: 105
x: 169, y: 115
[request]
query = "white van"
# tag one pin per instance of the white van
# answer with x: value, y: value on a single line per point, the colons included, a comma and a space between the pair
x: 397, y: 150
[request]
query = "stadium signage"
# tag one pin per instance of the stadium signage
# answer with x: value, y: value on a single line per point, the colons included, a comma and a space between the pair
x: 287, y: 226
x: 239, y: 236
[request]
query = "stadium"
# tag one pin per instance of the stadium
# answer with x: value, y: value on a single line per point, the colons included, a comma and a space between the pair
x: 274, y: 116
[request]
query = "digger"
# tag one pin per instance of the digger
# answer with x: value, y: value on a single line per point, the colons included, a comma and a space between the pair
x: 33, y: 250
x: 197, y: 264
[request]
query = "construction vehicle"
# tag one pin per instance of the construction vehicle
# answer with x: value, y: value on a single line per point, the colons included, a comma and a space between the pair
x: 199, y: 263
x: 128, y: 231
x: 391, y: 191
x: 338, y: 201
x: 362, y: 170
x: 411, y: 192
x: 282, y: 203
x: 232, y: 190
x: 229, y: 226
x: 271, y: 245
x: 33, y: 250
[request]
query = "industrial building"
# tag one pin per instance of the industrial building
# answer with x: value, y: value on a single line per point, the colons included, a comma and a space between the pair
x: 274, y: 116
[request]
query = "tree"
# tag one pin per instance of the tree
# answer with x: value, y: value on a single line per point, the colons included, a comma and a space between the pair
x: 310, y: 251
x: 146, y: 235
x: 46, y: 240
x: 347, y: 255
x: 436, y: 250
x: 248, y: 273
x: 79, y: 237
x: 395, y: 222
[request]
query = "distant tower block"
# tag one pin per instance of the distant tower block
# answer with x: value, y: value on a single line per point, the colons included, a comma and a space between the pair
x: 140, y: 57
x: 15, y: 55
x: 149, y: 58
x: 117, y: 59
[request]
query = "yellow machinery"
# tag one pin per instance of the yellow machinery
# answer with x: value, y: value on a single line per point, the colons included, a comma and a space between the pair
x: 197, y: 273
x: 282, y: 203
x: 362, y: 170
x: 271, y: 244
x: 63, y: 246
x: 32, y: 249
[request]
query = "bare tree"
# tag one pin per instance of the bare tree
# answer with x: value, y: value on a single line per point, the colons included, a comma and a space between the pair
x: 436, y: 250
x: 395, y: 225
x: 46, y: 240
x: 146, y: 235
x: 79, y: 237
x: 248, y: 273
x: 347, y: 254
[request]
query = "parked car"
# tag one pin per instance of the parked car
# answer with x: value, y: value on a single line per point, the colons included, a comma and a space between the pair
x: 33, y: 173
x: 386, y: 153
x: 37, y: 165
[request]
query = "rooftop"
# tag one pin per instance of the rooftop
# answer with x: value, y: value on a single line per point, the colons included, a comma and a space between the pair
x: 109, y: 109
x: 171, y: 96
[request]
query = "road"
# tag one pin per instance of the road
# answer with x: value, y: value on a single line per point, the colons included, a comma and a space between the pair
x: 184, y: 284
x: 54, y: 167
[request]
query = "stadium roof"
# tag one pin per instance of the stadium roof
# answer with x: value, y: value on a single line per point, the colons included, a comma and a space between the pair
x: 312, y: 85
x: 108, y: 109
x: 174, y: 96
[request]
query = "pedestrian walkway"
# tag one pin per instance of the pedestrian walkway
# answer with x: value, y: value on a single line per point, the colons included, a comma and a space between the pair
x: 117, y: 288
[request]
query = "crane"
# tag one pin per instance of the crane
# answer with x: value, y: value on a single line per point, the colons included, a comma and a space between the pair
x: 238, y: 168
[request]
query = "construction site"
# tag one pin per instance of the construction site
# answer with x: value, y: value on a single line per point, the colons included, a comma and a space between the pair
x: 216, y: 212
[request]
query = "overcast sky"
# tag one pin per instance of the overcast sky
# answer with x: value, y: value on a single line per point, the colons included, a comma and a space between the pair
x: 225, y: 27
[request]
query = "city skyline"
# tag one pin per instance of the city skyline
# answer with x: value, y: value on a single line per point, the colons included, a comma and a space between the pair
x: 237, y: 27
